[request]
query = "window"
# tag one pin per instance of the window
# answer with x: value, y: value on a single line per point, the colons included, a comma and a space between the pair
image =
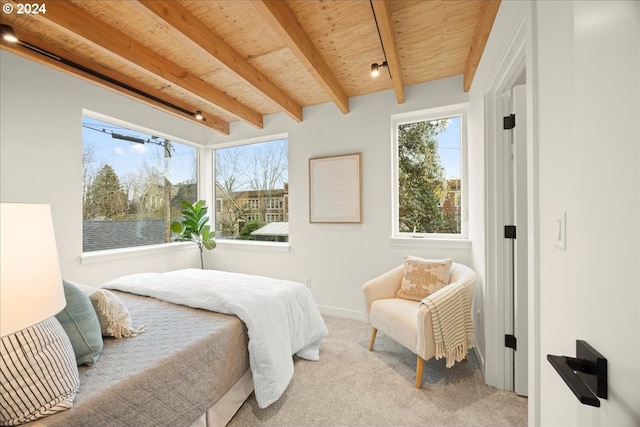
x: 252, y: 203
x: 252, y: 178
x: 275, y: 203
x: 133, y: 183
x: 429, y: 149
x: 274, y: 217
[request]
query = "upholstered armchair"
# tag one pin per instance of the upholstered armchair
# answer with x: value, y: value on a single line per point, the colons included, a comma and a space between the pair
x: 407, y: 321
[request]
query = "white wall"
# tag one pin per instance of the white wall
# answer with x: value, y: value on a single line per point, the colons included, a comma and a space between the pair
x: 41, y: 162
x: 583, y: 78
x: 583, y: 74
x: 587, y: 61
x: 339, y: 258
x: 41, y: 156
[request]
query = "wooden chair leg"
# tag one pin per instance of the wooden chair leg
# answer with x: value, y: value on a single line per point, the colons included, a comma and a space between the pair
x: 373, y: 338
x: 419, y: 369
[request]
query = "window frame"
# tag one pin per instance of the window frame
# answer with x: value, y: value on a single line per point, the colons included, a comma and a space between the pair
x: 249, y: 244
x: 131, y: 251
x: 440, y: 239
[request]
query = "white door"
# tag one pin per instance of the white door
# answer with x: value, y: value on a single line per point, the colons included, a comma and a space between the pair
x: 519, y: 208
x: 515, y: 249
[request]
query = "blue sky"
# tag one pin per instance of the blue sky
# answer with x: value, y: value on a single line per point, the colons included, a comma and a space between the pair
x: 449, y: 148
x: 128, y: 157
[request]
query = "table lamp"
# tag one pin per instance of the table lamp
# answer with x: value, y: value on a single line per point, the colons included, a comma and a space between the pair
x: 37, y: 362
x: 30, y: 284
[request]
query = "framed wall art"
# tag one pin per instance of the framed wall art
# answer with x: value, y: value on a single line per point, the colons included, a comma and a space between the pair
x: 335, y: 189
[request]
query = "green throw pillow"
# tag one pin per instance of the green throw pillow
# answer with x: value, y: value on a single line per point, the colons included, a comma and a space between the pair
x: 80, y: 322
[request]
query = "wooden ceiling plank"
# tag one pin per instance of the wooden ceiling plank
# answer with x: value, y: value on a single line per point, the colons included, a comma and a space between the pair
x: 212, y: 120
x: 284, y: 22
x: 177, y: 16
x: 75, y: 20
x: 488, y: 12
x: 382, y: 10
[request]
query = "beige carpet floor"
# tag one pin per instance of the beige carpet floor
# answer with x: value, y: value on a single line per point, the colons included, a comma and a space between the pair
x: 350, y: 386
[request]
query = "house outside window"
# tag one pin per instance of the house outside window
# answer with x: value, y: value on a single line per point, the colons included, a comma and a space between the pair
x: 133, y: 183
x: 252, y: 178
x: 429, y: 173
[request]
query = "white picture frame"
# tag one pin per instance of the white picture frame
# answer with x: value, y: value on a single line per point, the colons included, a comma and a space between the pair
x: 335, y: 189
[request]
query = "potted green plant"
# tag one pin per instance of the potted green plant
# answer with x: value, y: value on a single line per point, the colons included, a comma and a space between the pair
x: 194, y: 227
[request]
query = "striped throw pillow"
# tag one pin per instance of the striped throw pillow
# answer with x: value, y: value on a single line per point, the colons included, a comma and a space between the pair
x: 39, y: 373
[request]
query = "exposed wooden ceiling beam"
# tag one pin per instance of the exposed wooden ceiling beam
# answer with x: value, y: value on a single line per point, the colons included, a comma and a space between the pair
x: 488, y: 12
x: 212, y: 120
x: 284, y: 22
x: 382, y: 10
x: 176, y: 15
x: 75, y: 20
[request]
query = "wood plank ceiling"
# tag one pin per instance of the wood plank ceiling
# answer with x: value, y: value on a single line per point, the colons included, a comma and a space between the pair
x: 240, y: 60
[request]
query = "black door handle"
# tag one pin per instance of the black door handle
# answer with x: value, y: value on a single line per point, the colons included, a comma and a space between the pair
x: 586, y: 374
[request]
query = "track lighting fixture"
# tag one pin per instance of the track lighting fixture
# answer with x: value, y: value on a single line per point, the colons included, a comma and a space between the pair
x: 7, y: 34
x: 375, y: 68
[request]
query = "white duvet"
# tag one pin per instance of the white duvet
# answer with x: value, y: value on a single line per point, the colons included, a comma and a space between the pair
x: 282, y: 318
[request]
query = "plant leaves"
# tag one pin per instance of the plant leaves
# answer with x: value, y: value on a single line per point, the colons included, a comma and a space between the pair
x: 195, y: 225
x: 177, y: 227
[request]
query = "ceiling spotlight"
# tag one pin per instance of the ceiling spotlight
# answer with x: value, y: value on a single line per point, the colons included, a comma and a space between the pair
x: 198, y: 115
x: 375, y: 68
x: 7, y: 33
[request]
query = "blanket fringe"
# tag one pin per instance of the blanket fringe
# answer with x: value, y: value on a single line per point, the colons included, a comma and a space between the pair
x: 455, y: 354
x: 121, y: 331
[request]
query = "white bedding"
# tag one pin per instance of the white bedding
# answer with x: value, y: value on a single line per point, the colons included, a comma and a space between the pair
x: 281, y: 316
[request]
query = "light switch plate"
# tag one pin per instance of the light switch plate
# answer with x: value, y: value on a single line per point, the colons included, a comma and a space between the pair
x: 560, y: 231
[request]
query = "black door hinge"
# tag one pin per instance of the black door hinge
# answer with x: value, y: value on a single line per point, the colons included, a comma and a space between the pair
x: 509, y: 122
x: 510, y: 342
x: 509, y: 231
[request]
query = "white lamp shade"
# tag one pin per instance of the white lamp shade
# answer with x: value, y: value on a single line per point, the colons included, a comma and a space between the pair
x: 30, y: 284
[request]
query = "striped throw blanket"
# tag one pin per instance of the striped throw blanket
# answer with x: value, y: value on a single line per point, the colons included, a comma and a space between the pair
x: 452, y: 323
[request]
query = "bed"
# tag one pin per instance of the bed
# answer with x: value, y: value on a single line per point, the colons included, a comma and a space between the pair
x: 192, y: 366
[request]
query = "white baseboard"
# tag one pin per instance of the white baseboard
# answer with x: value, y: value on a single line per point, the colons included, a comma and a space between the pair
x: 341, y: 312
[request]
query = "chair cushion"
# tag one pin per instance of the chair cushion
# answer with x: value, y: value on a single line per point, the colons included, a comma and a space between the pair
x: 397, y: 318
x: 422, y: 277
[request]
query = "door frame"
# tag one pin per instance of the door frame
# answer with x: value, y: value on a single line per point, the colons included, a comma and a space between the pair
x: 516, y: 60
x: 518, y: 57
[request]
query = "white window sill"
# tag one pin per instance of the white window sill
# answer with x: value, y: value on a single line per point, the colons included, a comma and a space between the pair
x: 138, y: 251
x: 250, y: 245
x: 430, y: 242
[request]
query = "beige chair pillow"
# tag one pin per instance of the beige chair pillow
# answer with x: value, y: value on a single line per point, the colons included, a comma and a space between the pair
x: 422, y: 277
